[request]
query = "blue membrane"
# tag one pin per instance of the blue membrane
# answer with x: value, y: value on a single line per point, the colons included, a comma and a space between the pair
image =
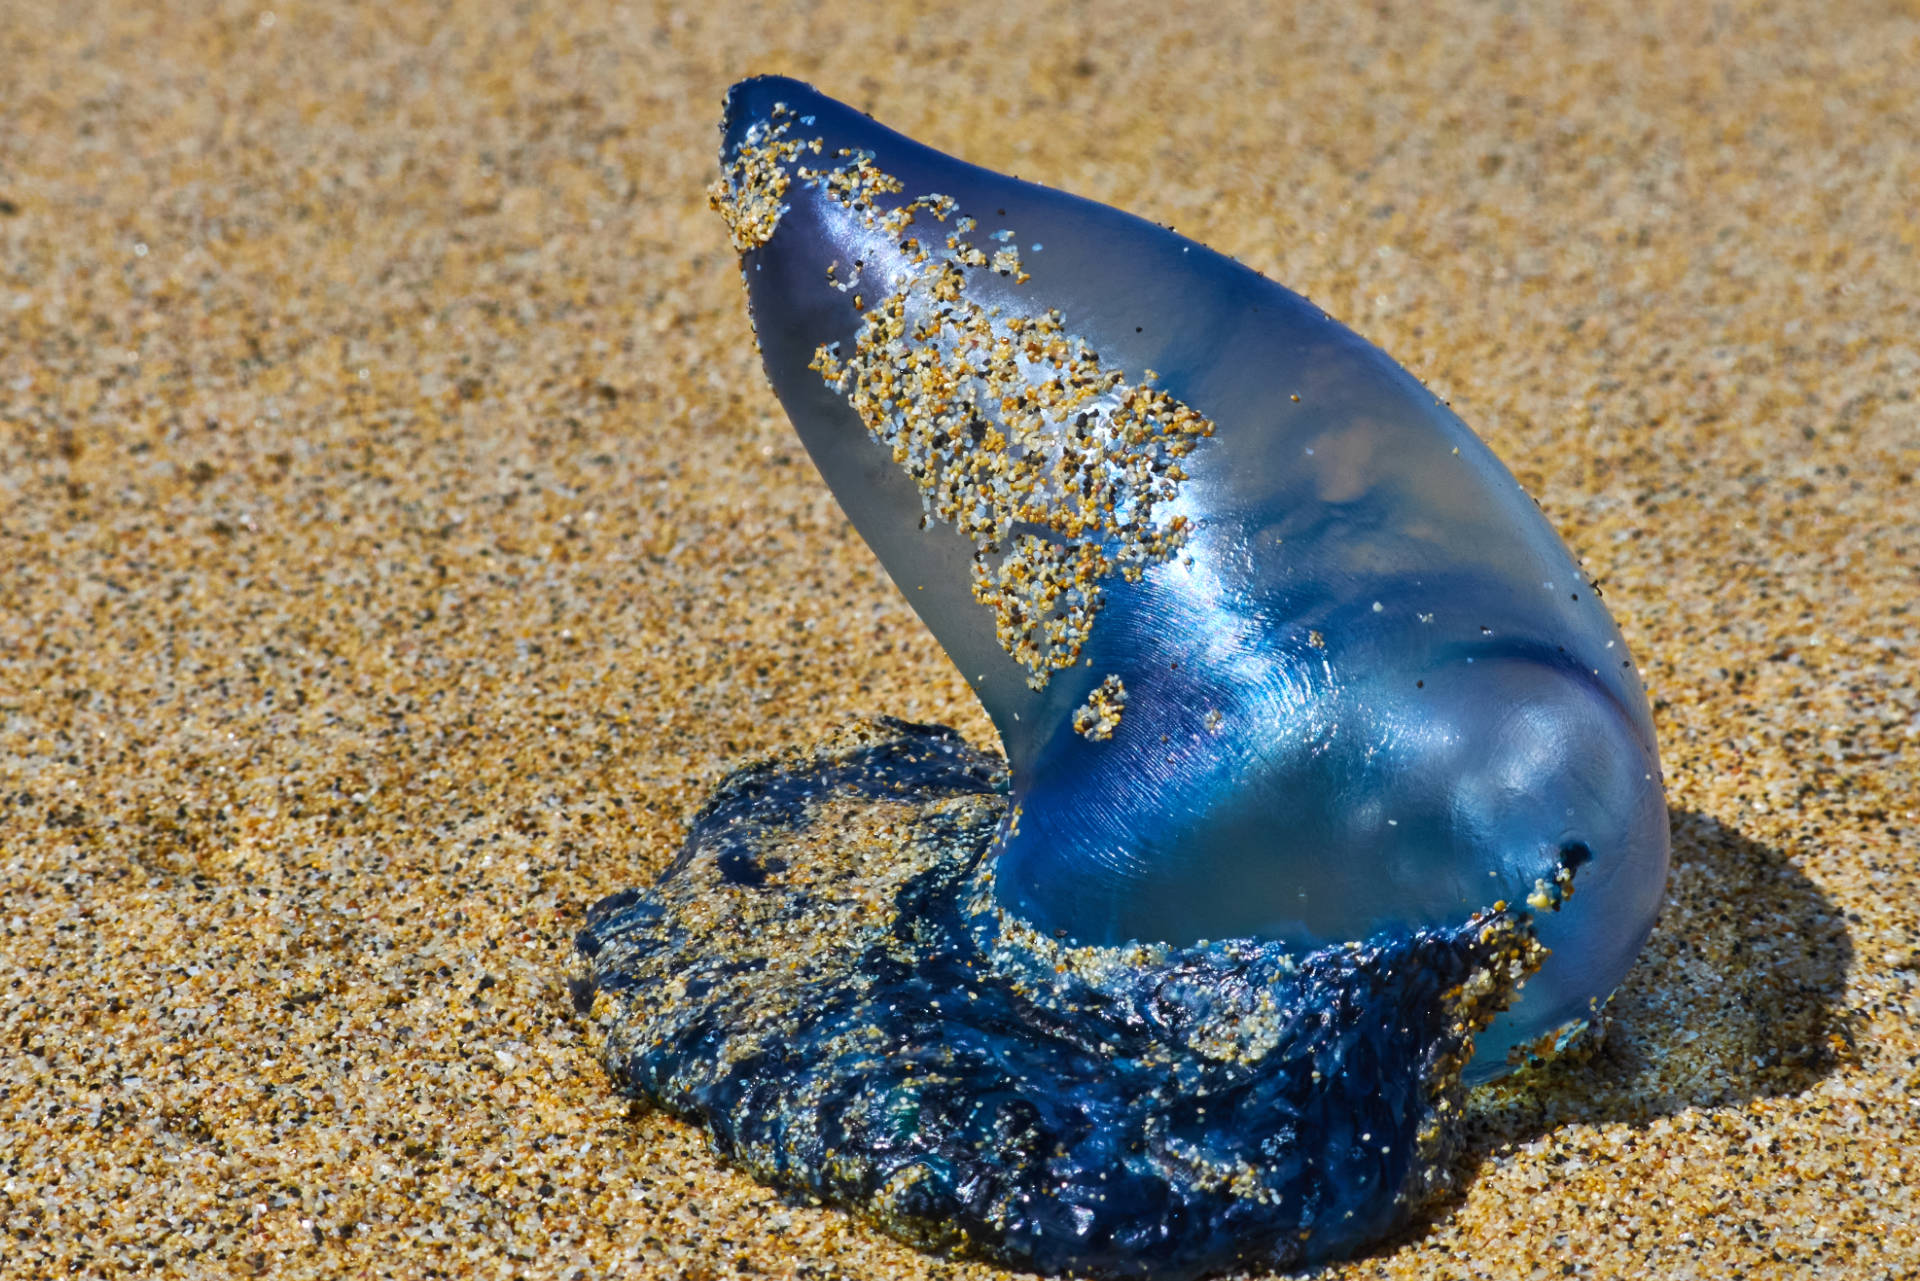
x: 824, y: 981
x: 1276, y: 647
x: 1309, y: 722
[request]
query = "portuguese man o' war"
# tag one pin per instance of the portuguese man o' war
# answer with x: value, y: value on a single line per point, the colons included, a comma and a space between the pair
x: 1311, y: 726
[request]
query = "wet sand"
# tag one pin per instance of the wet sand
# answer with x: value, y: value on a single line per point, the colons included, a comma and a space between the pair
x: 397, y: 539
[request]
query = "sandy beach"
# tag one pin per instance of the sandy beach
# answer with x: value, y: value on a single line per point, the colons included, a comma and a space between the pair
x: 398, y: 539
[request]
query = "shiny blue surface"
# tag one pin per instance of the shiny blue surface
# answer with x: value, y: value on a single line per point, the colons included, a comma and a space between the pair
x: 1374, y: 691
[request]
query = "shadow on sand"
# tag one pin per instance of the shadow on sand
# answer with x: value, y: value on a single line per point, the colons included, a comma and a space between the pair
x: 1737, y: 997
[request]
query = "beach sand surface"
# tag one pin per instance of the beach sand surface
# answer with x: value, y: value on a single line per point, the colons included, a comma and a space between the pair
x: 398, y: 539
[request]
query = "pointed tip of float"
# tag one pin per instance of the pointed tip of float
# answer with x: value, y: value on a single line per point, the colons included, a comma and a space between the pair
x: 754, y: 100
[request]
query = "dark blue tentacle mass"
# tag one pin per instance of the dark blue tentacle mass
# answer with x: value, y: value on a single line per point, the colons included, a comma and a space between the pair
x: 822, y: 980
